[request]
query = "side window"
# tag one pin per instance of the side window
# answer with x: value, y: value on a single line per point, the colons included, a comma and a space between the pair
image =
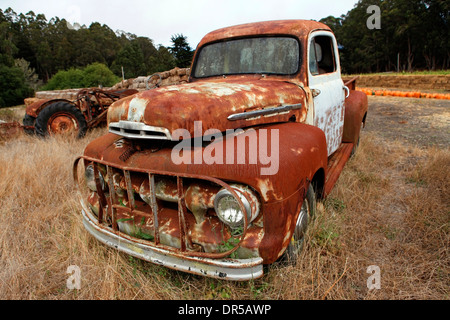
x: 321, y: 55
x: 313, y: 68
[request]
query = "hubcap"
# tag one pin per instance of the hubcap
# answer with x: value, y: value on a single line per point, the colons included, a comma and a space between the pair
x: 302, y: 222
x: 62, y: 123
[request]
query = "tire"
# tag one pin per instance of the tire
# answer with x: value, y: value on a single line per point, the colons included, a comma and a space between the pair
x: 307, y: 212
x: 29, y: 121
x: 355, y: 147
x: 60, y: 117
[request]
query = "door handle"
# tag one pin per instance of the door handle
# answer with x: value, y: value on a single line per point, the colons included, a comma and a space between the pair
x: 347, y: 90
x: 315, y: 92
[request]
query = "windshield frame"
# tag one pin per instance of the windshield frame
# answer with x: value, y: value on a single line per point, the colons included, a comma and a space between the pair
x: 199, y: 50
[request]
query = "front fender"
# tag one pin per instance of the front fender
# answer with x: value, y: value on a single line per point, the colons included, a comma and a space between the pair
x: 303, y: 152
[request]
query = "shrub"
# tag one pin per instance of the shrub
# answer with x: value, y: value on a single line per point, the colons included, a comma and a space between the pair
x: 14, y: 89
x: 92, y: 76
x: 98, y: 74
x: 65, y: 79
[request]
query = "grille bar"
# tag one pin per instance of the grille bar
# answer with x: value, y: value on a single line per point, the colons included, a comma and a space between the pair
x: 102, y: 199
x: 186, y: 240
x: 154, y: 207
x: 112, y: 197
x: 131, y: 202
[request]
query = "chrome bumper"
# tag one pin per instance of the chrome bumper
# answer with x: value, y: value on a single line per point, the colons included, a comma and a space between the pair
x: 229, y: 269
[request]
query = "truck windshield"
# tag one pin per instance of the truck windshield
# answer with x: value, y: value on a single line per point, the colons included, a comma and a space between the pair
x: 263, y: 55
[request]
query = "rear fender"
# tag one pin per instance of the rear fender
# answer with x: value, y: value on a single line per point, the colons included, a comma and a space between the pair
x: 356, y: 106
x: 36, y: 107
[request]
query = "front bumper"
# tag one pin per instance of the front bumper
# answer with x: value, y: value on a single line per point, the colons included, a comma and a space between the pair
x: 229, y: 269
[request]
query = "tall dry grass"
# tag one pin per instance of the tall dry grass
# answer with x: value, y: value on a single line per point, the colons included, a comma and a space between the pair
x: 390, y: 208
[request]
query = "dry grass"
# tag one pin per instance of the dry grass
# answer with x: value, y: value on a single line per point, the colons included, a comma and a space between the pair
x: 390, y: 208
x: 12, y: 114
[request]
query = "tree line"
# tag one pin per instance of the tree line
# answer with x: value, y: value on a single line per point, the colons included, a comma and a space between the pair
x: 34, y: 49
x: 413, y: 35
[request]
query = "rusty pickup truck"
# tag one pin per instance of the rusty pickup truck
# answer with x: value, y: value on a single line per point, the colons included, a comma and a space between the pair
x: 220, y: 176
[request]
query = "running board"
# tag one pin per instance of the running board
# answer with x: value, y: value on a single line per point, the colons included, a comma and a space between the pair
x: 336, y: 163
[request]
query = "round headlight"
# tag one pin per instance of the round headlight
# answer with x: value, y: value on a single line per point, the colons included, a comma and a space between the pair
x: 228, y: 209
x: 90, y: 178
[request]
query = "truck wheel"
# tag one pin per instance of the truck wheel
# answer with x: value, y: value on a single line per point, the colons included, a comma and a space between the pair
x: 307, y: 212
x: 355, y: 147
x: 60, y: 117
x: 29, y: 121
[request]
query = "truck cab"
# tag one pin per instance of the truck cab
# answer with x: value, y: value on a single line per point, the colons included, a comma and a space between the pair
x: 220, y: 176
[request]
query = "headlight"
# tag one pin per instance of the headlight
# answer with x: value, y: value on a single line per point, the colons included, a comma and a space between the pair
x: 228, y: 209
x: 90, y: 178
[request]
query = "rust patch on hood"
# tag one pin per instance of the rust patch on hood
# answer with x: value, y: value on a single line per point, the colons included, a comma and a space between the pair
x: 178, y: 106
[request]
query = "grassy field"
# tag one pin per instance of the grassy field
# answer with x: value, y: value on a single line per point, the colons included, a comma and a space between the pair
x: 390, y: 208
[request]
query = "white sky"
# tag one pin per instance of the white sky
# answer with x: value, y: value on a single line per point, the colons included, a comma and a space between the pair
x: 160, y: 19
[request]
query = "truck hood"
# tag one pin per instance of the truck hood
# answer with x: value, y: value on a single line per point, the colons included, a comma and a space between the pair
x: 211, y: 102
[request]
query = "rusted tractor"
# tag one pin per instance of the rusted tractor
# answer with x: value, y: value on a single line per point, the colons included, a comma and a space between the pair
x: 55, y: 116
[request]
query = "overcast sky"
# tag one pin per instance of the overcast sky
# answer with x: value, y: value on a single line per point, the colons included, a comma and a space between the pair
x: 160, y: 19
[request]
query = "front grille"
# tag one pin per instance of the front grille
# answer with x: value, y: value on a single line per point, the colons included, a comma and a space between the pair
x: 139, y: 130
x: 163, y: 209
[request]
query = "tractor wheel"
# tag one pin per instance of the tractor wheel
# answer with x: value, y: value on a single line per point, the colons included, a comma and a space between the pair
x: 59, y: 118
x: 29, y: 121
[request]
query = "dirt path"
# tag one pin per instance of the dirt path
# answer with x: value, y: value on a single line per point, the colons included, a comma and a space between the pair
x: 425, y: 122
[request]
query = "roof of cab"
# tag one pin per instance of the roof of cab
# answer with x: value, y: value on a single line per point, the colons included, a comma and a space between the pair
x: 298, y: 28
